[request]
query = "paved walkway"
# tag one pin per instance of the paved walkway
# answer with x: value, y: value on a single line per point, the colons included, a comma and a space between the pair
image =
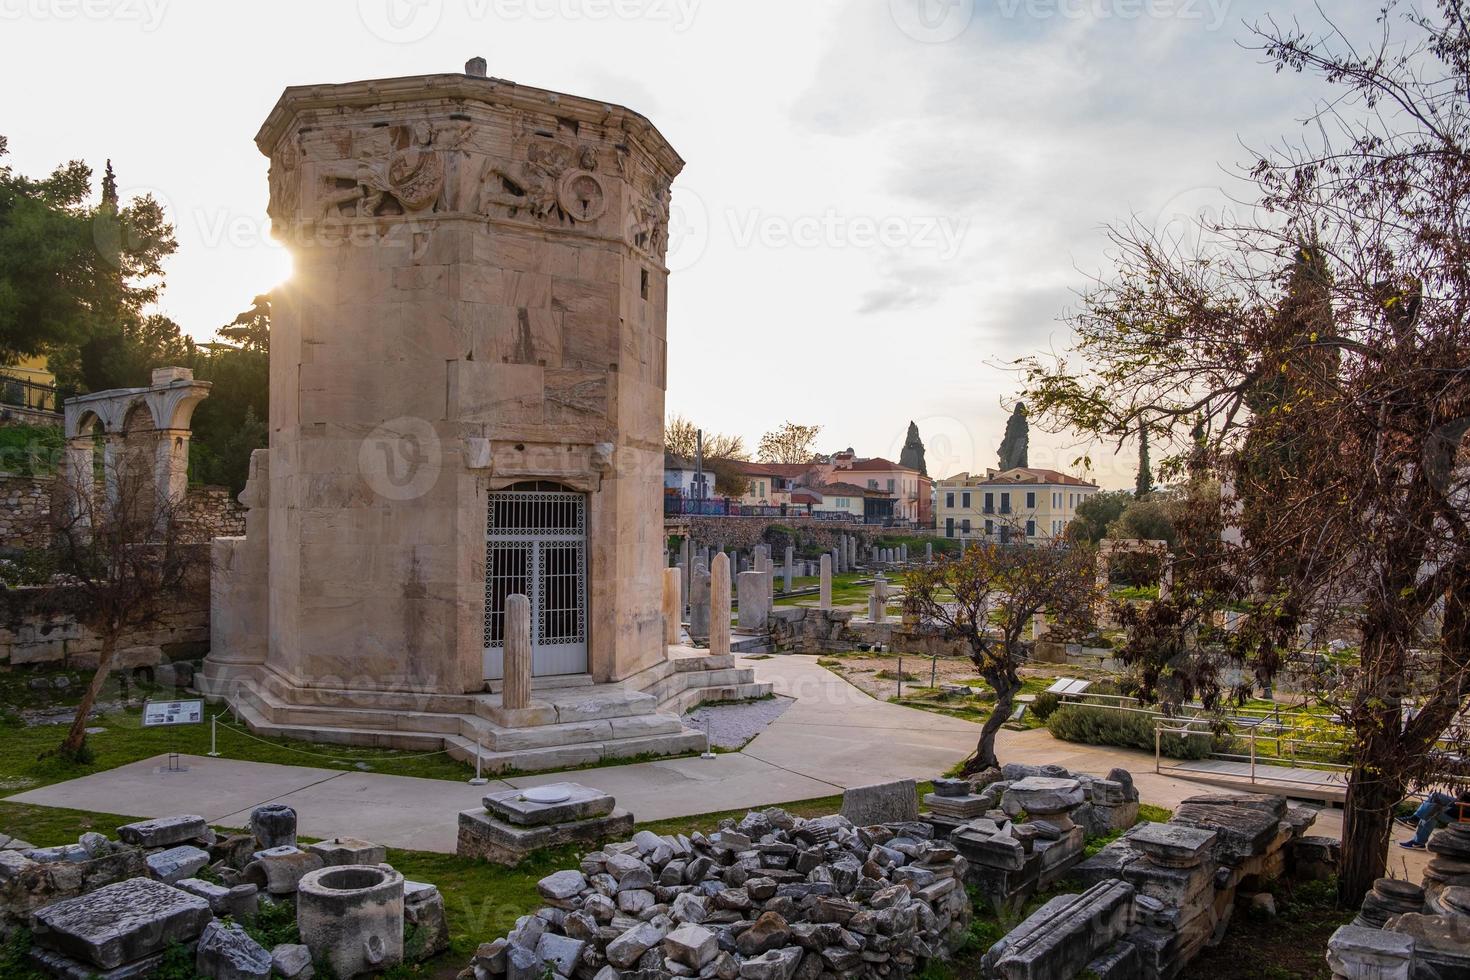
x: 833, y: 737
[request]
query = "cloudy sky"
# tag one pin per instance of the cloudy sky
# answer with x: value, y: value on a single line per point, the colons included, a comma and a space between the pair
x: 885, y: 200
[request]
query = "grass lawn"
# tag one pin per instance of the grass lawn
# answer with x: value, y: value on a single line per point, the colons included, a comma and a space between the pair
x: 26, y: 762
x: 845, y: 589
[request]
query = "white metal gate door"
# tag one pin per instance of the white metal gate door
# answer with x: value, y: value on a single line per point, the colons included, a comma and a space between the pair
x: 536, y: 544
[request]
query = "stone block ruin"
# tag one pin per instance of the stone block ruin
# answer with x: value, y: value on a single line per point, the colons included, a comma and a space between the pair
x: 112, y: 909
x: 1406, y: 931
x: 1153, y: 899
x: 770, y: 897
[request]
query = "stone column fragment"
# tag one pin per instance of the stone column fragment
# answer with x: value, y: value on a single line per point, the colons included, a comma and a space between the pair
x: 719, y: 613
x: 673, y: 605
x: 517, y: 693
x: 824, y: 595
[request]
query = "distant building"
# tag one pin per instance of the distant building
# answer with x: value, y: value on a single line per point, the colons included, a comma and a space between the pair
x: 909, y: 489
x: 681, y: 477
x: 28, y: 392
x: 1009, y: 505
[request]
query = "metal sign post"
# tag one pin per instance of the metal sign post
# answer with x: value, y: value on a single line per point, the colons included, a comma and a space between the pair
x: 170, y: 714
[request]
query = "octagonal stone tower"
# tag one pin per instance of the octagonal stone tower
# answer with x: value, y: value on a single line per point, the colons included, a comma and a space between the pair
x: 467, y: 376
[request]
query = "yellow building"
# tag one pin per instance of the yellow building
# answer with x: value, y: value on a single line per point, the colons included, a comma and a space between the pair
x: 1009, y: 505
x: 28, y: 386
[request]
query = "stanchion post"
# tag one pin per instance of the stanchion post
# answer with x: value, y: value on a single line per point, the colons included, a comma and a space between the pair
x: 479, y: 780
x: 214, y: 736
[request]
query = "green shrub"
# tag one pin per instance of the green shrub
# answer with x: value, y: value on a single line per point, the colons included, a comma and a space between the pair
x: 1093, y: 724
x: 1046, y: 702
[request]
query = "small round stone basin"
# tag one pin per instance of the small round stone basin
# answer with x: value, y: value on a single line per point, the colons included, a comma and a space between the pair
x: 547, y: 794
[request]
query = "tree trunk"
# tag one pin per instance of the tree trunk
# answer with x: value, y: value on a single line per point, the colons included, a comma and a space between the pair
x: 71, y: 747
x: 1367, y: 821
x: 984, y: 757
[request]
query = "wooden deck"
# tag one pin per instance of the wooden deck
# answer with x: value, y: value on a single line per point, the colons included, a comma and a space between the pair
x: 1322, y: 785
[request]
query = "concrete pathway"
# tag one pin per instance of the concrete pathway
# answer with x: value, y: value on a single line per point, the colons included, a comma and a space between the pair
x: 833, y: 737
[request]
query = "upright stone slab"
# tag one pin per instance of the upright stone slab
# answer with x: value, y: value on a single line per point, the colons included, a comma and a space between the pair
x: 928, y: 552
x: 673, y: 603
x: 824, y: 593
x: 686, y: 565
x: 699, y: 604
x: 719, y: 615
x: 120, y: 923
x: 893, y: 802
x: 517, y: 692
x: 786, y: 569
x: 755, y: 602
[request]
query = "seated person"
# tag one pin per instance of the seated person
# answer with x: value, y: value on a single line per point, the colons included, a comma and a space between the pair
x: 1436, y: 807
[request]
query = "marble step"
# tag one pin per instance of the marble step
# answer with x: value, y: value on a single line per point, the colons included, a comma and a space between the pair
x: 677, y: 704
x: 679, y: 742
x: 471, y: 727
x: 583, y: 754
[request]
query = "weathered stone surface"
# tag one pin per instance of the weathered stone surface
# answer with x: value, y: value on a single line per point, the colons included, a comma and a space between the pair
x: 225, y: 952
x: 274, y: 825
x: 279, y: 869
x: 1171, y: 845
x: 176, y: 863
x: 239, y: 902
x: 691, y: 945
x: 881, y: 803
x: 778, y: 964
x: 292, y: 961
x: 425, y: 926
x: 561, y: 952
x: 348, y: 850
x: 164, y: 832
x: 1355, y: 952
x: 584, y: 803
x: 626, y: 949
x: 122, y: 922
x: 1243, y: 829
x: 561, y: 886
x: 1045, y: 794
x: 1064, y: 935
x: 352, y: 917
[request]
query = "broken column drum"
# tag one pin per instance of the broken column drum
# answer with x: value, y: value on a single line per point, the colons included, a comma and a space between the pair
x: 352, y: 917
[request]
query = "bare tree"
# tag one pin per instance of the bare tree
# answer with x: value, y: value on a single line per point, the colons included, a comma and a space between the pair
x: 122, y: 556
x: 1316, y: 352
x: 987, y: 598
x: 681, y: 437
x: 791, y: 443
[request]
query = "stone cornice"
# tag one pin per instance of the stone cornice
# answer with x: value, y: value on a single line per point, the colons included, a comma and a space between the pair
x: 299, y: 99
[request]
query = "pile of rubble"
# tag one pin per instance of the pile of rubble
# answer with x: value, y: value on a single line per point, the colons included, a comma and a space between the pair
x: 114, y: 908
x: 1406, y: 931
x: 771, y: 897
x: 1008, y: 858
x: 1157, y: 895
